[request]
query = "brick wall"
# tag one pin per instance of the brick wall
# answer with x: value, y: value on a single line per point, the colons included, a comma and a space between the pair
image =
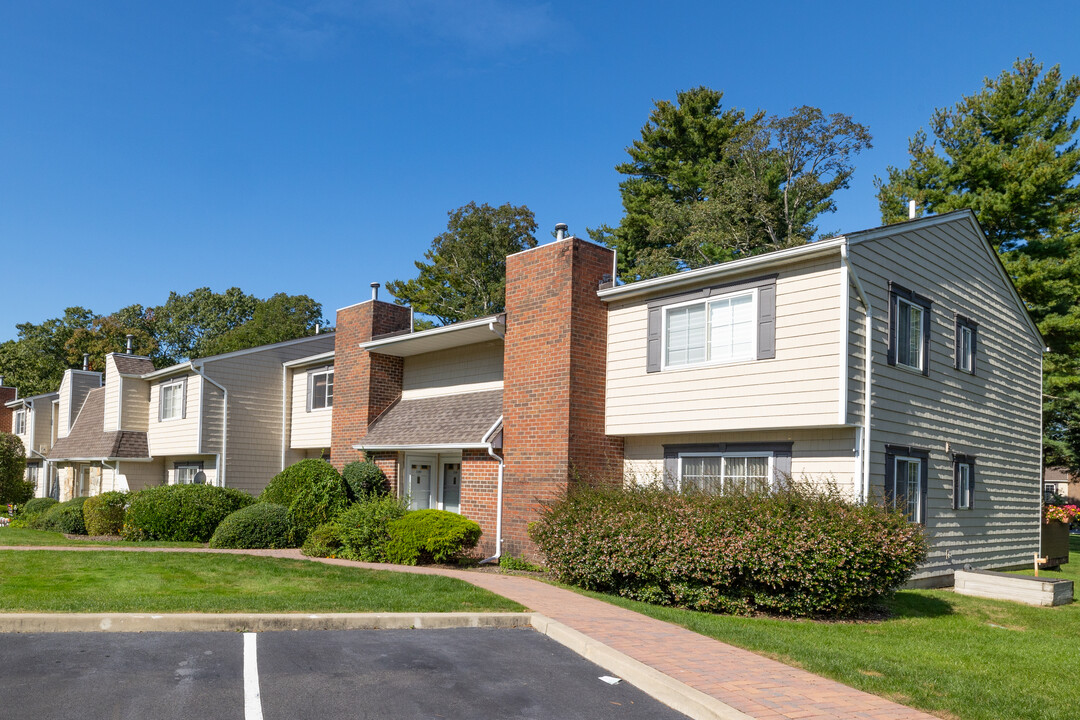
x: 554, y: 377
x: 388, y: 463
x: 365, y: 384
x: 7, y: 394
x: 479, y: 495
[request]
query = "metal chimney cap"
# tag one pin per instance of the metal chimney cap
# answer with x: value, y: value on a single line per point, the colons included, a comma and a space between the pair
x: 374, y: 291
x: 560, y: 230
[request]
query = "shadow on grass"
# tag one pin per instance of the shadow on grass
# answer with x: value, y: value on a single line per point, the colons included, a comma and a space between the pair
x: 917, y: 605
x: 1074, y: 543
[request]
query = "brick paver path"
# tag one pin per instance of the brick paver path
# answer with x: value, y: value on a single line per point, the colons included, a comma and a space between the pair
x: 760, y: 687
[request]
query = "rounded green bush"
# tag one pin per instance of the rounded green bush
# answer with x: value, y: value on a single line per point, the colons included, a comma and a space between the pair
x: 65, y: 517
x: 180, y: 512
x: 426, y: 536
x: 364, y: 527
x: 13, y: 488
x: 261, y: 525
x: 37, y: 506
x: 365, y: 478
x: 104, y: 513
x: 799, y: 550
x: 313, y: 491
x: 323, y: 541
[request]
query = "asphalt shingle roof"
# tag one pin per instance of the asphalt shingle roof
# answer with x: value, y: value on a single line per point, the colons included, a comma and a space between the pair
x: 445, y: 420
x: 133, y: 365
x: 88, y: 439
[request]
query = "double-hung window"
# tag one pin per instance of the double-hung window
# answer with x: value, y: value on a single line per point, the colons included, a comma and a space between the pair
x: 712, y: 331
x: 33, y: 472
x: 963, y: 482
x: 172, y: 401
x: 321, y: 389
x: 906, y: 481
x: 967, y: 332
x: 187, y: 472
x: 19, y: 426
x: 725, y: 472
x: 909, y: 329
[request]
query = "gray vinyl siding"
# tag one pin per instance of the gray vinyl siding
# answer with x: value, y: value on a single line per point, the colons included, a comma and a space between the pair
x: 800, y: 387
x: 856, y: 369
x: 212, y: 408
x: 254, y: 381
x: 994, y: 415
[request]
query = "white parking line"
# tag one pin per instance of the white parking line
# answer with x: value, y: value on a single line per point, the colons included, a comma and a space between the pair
x: 252, y: 701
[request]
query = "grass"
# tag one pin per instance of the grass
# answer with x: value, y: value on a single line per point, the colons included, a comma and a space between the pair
x: 24, y: 537
x: 955, y: 656
x: 59, y: 581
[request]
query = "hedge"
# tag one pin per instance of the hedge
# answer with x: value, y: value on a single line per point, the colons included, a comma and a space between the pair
x: 425, y: 536
x: 180, y: 512
x: 313, y: 491
x: 32, y: 511
x: 104, y: 513
x: 361, y: 532
x: 323, y: 541
x: 262, y: 525
x: 364, y: 478
x: 65, y: 517
x: 13, y: 488
x: 798, y: 551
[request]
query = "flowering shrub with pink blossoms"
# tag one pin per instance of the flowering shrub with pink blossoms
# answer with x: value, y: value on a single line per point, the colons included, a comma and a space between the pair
x: 798, y: 551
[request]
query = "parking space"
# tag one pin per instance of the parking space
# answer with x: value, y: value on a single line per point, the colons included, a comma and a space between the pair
x: 463, y: 673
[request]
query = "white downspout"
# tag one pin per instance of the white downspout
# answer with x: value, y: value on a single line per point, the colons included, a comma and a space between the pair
x: 868, y: 365
x: 221, y: 458
x: 284, y: 410
x: 498, y: 496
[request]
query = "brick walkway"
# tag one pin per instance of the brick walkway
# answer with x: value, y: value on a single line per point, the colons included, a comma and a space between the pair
x: 762, y: 688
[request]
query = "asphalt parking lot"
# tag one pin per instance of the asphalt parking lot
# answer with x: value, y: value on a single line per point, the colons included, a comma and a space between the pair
x: 458, y: 673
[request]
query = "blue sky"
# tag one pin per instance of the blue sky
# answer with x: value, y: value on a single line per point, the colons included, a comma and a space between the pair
x: 314, y: 147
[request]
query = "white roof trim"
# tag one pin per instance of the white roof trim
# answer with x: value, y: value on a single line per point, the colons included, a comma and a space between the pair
x: 690, y: 277
x: 310, y: 360
x: 405, y: 339
x: 260, y: 348
x: 406, y: 448
x: 171, y: 370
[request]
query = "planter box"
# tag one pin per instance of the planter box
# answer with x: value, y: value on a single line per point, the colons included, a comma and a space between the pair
x: 1018, y: 588
x: 1055, y: 543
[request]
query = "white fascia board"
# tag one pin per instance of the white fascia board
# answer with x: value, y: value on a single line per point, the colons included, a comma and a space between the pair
x: 409, y: 448
x: 412, y: 337
x: 321, y: 358
x: 171, y: 370
x: 712, y: 272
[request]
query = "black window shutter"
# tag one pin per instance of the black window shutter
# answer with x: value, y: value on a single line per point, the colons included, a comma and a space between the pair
x: 956, y: 484
x: 671, y: 470
x: 892, y: 329
x: 183, y: 399
x: 766, y: 322
x: 890, y: 480
x: 782, y: 466
x: 926, y: 340
x: 974, y: 368
x: 655, y: 342
x: 924, y: 476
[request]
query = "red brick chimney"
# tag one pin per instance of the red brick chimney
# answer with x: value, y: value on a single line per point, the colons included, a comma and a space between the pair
x: 365, y: 384
x: 555, y: 367
x: 7, y: 394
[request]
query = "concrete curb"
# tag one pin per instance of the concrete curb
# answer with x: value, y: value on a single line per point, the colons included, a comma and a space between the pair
x: 673, y: 693
x: 236, y: 622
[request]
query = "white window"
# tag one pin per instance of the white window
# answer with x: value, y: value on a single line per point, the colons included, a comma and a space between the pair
x: 186, y: 473
x: 963, y: 486
x: 321, y: 389
x: 967, y: 356
x: 909, y: 346
x: 172, y: 401
x: 724, y: 472
x: 719, y: 330
x: 20, y: 422
x: 33, y: 473
x: 909, y: 486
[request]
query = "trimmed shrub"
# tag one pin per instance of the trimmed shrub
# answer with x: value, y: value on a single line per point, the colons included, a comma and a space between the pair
x: 364, y: 479
x: 13, y: 488
x: 323, y: 541
x: 313, y: 491
x: 425, y: 536
x: 365, y: 527
x: 261, y: 525
x: 37, y: 506
x: 65, y: 517
x: 180, y: 512
x: 798, y: 551
x: 509, y: 562
x: 104, y: 513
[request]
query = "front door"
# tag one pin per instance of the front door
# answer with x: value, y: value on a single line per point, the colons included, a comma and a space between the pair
x: 421, y: 488
x: 451, y: 472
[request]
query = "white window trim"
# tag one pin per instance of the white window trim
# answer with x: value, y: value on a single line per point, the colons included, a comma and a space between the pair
x: 767, y: 454
x: 666, y: 310
x: 918, y: 505
x: 963, y: 468
x: 312, y: 374
x: 195, y: 465
x: 967, y: 364
x: 922, y: 339
x: 179, y: 407
x: 19, y: 419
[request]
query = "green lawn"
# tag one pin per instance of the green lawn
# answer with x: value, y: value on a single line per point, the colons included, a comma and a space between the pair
x: 948, y: 654
x: 59, y: 581
x: 22, y: 536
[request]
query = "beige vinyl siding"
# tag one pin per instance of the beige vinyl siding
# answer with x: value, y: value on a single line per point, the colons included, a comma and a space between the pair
x: 136, y: 408
x: 73, y: 390
x: 993, y: 415
x: 31, y: 418
x: 213, y: 410
x: 112, y: 396
x: 799, y: 388
x: 254, y: 380
x: 209, y: 467
x: 41, y: 416
x: 825, y: 455
x: 172, y: 437
x: 133, y: 476
x: 467, y: 365
x: 308, y: 429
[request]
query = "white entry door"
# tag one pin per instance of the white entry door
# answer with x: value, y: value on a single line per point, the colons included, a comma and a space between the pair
x: 421, y: 486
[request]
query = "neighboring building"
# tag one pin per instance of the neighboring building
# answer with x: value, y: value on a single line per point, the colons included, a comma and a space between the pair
x: 33, y: 421
x: 1058, y: 480
x: 215, y: 420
